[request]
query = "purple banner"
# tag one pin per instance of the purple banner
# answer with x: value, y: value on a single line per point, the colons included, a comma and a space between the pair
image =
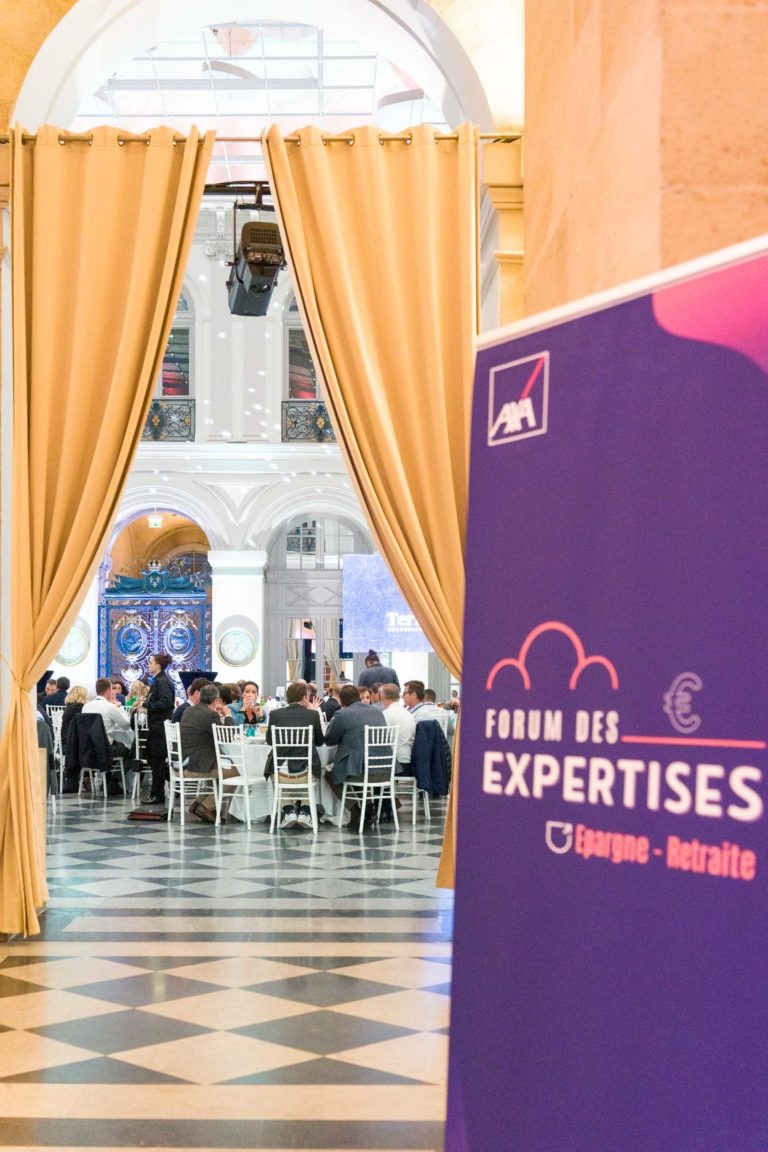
x: 610, y: 987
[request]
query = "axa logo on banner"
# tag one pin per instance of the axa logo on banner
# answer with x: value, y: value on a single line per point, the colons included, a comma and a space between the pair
x: 518, y: 399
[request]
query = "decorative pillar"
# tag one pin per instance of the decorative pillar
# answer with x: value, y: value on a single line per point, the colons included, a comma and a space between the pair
x: 237, y: 615
x: 501, y: 173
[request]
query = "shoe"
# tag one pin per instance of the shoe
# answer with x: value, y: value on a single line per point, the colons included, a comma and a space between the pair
x: 155, y: 800
x: 305, y: 816
x: 290, y: 817
x: 202, y: 813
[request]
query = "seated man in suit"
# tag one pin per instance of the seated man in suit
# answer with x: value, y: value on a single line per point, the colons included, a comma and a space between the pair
x: 56, y: 692
x: 198, y: 748
x: 347, y: 730
x: 297, y: 714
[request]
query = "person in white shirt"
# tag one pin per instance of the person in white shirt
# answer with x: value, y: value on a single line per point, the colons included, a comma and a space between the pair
x: 118, y: 726
x: 422, y: 709
x: 399, y: 718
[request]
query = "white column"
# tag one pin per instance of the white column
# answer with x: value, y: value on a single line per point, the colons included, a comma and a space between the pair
x: 237, y: 612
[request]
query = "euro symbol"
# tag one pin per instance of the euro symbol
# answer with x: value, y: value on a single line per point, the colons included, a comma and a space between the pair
x: 556, y: 831
x: 678, y: 703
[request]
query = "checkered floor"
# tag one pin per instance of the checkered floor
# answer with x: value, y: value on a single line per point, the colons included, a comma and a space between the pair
x: 220, y: 988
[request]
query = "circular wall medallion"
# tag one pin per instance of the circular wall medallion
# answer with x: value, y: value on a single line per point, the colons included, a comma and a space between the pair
x: 237, y: 646
x: 132, y: 641
x: 179, y: 641
x: 74, y: 649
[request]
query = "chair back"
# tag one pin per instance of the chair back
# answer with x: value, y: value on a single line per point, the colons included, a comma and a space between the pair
x: 443, y: 720
x: 56, y: 713
x: 173, y: 744
x: 140, y: 733
x: 292, y: 749
x: 230, y: 747
x: 380, y: 751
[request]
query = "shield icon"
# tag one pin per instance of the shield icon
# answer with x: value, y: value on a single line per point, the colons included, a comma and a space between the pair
x: 558, y: 836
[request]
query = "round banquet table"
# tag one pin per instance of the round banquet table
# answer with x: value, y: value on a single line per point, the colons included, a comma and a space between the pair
x: 262, y: 792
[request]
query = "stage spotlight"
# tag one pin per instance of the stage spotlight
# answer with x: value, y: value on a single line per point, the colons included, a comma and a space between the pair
x: 253, y: 276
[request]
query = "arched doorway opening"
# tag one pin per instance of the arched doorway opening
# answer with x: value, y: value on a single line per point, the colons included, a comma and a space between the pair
x: 155, y: 596
x: 304, y: 608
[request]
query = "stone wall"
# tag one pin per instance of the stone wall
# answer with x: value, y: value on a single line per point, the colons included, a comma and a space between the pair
x: 645, y: 137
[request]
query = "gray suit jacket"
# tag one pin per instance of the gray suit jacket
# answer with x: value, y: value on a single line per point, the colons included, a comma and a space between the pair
x: 198, y: 750
x: 347, y: 729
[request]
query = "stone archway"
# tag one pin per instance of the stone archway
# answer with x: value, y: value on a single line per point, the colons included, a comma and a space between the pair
x: 94, y: 38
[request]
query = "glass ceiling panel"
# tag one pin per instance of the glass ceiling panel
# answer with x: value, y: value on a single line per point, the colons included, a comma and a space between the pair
x: 355, y: 106
x: 289, y: 40
x: 301, y: 103
x: 238, y: 79
x: 246, y: 103
x: 145, y: 103
x: 293, y: 70
x: 355, y: 73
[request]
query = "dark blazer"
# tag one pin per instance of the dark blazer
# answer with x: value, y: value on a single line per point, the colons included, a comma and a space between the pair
x: 377, y: 674
x: 160, y: 705
x: 70, y: 711
x: 347, y: 730
x: 176, y: 718
x: 88, y: 746
x: 58, y: 698
x: 330, y: 707
x: 296, y: 716
x: 197, y: 743
x: 431, y: 758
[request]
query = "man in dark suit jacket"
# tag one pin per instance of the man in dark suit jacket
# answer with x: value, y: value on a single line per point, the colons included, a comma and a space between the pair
x: 347, y: 730
x: 198, y: 748
x: 296, y: 715
x: 58, y: 697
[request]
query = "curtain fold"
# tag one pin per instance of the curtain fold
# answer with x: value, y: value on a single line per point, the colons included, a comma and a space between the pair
x: 293, y: 649
x: 381, y: 240
x: 330, y: 651
x: 100, y: 238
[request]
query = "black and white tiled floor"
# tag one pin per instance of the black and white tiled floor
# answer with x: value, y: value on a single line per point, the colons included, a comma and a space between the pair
x: 218, y: 988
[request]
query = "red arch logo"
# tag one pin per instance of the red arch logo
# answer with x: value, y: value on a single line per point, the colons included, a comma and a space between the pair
x: 582, y: 660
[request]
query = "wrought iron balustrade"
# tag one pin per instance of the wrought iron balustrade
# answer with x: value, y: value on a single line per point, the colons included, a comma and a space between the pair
x: 170, y: 420
x: 306, y: 420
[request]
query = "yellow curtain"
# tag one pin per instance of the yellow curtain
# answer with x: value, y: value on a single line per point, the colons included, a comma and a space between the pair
x: 381, y: 238
x: 100, y: 237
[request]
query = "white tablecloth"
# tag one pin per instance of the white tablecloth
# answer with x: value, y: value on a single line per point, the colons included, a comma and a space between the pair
x: 262, y: 792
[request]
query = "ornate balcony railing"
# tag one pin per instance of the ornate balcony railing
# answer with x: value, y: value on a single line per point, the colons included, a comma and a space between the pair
x: 306, y: 420
x: 170, y: 420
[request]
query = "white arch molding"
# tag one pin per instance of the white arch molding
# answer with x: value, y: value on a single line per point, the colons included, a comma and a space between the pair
x: 96, y: 37
x: 304, y: 502
x: 140, y: 501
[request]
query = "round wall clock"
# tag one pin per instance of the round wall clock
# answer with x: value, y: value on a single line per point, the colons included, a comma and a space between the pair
x: 237, y: 646
x: 74, y: 649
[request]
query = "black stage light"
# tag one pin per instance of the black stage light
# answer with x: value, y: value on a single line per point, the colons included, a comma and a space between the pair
x: 253, y: 276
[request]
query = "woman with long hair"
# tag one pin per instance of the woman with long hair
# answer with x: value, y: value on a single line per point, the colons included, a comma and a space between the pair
x: 159, y: 704
x: 73, y: 704
x: 138, y: 696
